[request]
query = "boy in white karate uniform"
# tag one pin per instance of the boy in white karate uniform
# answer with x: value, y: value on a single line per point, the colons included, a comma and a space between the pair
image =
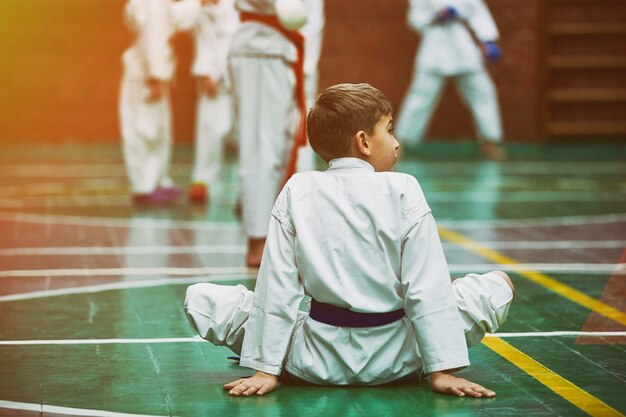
x: 449, y: 50
x: 362, y: 242
x: 213, y: 34
x: 144, y: 106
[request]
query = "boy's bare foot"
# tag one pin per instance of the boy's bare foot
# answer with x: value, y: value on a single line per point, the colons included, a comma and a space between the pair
x: 238, y: 210
x: 255, y: 252
x: 492, y: 150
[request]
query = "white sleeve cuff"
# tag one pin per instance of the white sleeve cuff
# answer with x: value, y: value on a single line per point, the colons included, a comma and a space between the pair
x: 251, y: 363
x: 443, y: 366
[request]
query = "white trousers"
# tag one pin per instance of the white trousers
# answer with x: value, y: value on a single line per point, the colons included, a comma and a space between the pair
x: 146, y: 130
x: 476, y: 89
x: 306, y: 155
x: 266, y: 117
x: 219, y: 313
x: 214, y: 121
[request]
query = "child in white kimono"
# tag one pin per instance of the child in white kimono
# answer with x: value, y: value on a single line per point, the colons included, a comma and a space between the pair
x: 144, y: 104
x: 450, y: 30
x: 213, y: 34
x: 362, y: 242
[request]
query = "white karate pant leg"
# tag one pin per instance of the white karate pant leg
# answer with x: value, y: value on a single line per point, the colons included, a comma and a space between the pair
x: 483, y: 301
x: 146, y: 136
x: 306, y: 155
x: 417, y: 109
x: 218, y: 313
x: 266, y: 117
x: 213, y: 122
x: 479, y: 93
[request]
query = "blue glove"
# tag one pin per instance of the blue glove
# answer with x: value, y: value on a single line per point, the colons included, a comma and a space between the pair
x: 446, y: 14
x: 492, y: 51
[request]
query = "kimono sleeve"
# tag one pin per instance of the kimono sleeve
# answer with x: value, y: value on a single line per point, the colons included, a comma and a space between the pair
x: 429, y: 300
x: 154, y: 38
x: 482, y: 23
x: 420, y: 14
x: 277, y: 297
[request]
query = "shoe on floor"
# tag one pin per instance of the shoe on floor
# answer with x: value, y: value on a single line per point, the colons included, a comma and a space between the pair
x: 493, y: 150
x: 158, y: 197
x: 198, y: 192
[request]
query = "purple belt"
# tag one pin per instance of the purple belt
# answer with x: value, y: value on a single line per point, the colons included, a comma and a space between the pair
x: 343, y: 317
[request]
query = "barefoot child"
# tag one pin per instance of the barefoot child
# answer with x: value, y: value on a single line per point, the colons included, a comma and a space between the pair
x: 362, y: 242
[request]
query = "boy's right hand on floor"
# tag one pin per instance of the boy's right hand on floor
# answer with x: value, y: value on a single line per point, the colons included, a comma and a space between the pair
x: 259, y: 384
x: 446, y: 383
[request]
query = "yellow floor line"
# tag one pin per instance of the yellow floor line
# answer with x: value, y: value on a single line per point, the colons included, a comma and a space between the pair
x: 537, y: 277
x: 575, y: 395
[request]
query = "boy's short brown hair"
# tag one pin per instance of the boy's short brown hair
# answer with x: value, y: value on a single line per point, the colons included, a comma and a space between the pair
x: 339, y: 113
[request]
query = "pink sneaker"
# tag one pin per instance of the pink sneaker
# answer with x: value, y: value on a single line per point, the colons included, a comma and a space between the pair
x: 159, y: 196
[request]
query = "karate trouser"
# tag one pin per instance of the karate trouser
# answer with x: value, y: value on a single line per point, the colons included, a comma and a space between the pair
x: 266, y: 117
x: 214, y: 121
x: 146, y: 130
x: 476, y: 89
x: 219, y: 313
x: 306, y: 155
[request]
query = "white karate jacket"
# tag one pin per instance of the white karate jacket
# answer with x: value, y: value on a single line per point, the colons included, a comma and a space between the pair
x: 364, y: 241
x: 258, y: 39
x: 155, y: 22
x: 448, y: 49
x: 213, y: 35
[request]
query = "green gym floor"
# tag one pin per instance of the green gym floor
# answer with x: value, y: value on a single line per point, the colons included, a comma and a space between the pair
x: 91, y: 289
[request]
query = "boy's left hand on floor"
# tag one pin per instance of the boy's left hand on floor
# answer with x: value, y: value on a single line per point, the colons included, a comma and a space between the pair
x: 259, y: 384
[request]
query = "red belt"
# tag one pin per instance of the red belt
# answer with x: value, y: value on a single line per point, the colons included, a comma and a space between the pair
x: 298, y: 68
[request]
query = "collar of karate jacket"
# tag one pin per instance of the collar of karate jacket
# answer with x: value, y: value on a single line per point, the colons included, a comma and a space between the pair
x: 349, y: 163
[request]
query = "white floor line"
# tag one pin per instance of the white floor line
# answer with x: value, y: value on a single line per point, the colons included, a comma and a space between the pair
x: 119, y: 222
x: 569, y: 268
x: 124, y: 285
x: 557, y: 333
x: 238, y: 249
x: 549, y: 244
x: 198, y: 339
x: 52, y: 409
x: 522, y: 196
x: 234, y: 226
x: 122, y: 200
x: 541, y: 222
x: 158, y: 340
x: 456, y: 168
x: 132, y: 271
x: 123, y: 250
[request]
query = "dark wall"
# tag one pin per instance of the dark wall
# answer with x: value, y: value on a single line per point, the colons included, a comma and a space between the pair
x: 60, y: 67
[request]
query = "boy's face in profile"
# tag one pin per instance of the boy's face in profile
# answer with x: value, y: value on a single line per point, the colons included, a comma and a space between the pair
x: 384, y: 146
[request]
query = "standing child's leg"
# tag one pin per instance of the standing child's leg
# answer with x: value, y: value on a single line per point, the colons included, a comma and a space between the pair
x: 265, y: 124
x: 483, y: 301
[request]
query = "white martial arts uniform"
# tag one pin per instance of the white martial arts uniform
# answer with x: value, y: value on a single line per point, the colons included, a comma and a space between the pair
x: 313, y: 33
x: 260, y: 62
x: 361, y: 240
x: 146, y: 127
x: 448, y: 50
x: 213, y: 35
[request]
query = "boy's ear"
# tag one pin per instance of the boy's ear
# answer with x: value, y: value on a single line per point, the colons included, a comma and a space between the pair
x: 362, y: 143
